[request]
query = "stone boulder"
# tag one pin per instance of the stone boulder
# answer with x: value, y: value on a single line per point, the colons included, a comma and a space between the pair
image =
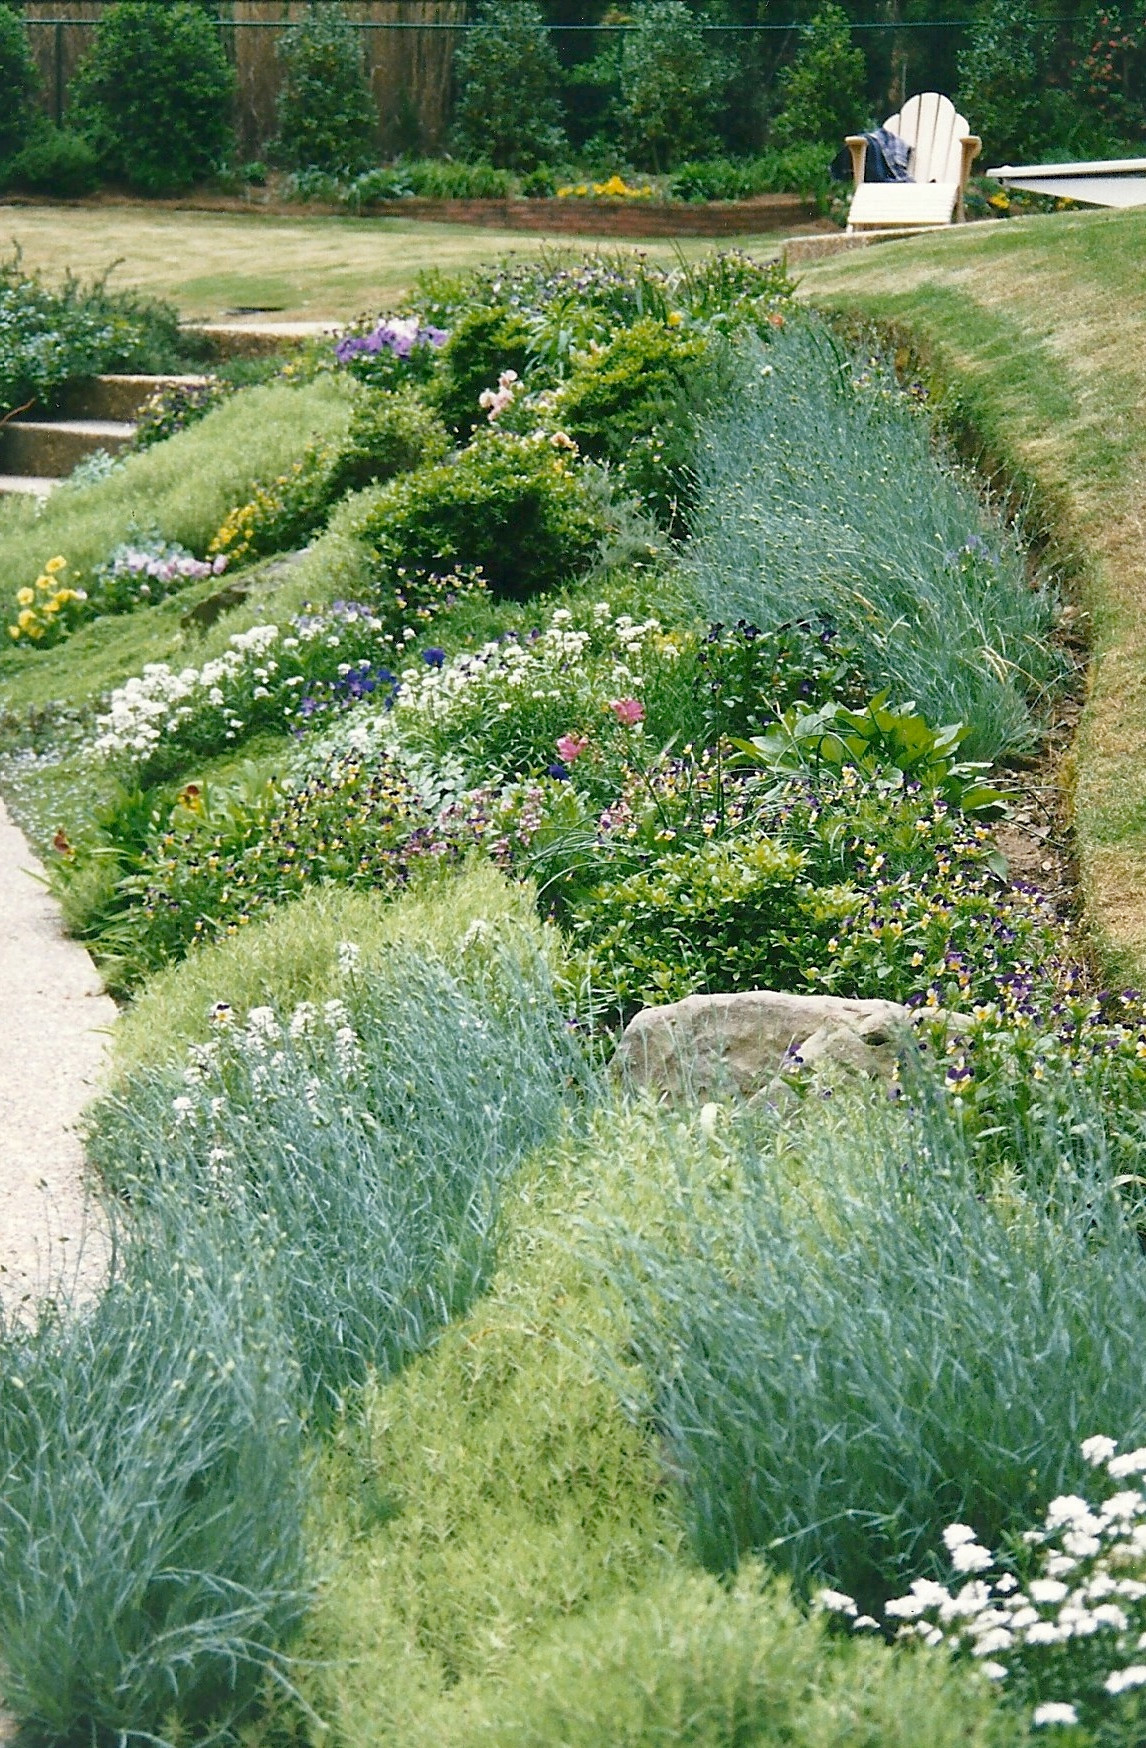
x: 708, y: 1046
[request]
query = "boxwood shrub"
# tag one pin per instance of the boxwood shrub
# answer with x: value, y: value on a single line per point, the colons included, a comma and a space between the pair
x: 512, y: 506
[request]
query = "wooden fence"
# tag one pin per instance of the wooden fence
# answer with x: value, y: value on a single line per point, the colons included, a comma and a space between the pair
x: 408, y: 46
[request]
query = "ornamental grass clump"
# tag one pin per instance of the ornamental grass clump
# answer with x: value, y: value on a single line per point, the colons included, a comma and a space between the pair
x: 848, y: 1346
x: 817, y: 491
x: 365, y: 1142
x: 152, y: 1565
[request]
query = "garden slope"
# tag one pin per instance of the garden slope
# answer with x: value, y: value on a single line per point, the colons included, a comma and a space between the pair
x: 1038, y: 328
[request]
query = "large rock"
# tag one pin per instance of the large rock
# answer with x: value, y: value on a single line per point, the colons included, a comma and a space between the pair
x: 707, y: 1046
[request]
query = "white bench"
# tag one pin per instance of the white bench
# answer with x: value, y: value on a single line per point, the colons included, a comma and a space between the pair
x: 1104, y: 182
x: 942, y: 152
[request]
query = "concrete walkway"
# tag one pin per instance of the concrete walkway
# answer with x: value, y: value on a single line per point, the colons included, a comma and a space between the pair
x: 54, y: 1021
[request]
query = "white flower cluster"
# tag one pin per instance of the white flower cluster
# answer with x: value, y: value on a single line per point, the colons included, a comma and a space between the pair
x: 536, y: 667
x: 1077, y: 1627
x: 154, y: 705
x: 263, y: 669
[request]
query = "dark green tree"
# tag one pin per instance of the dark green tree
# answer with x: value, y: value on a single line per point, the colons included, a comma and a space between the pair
x: 821, y: 91
x: 19, y: 81
x: 672, y: 82
x: 326, y: 112
x: 508, y: 110
x: 154, y: 95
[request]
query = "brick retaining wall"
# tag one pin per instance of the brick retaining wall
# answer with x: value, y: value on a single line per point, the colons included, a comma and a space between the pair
x: 612, y: 218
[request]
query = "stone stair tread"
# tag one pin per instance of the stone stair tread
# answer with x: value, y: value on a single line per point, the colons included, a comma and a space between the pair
x: 121, y: 428
x: 30, y: 484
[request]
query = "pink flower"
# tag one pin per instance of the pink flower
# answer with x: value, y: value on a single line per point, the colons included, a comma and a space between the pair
x: 628, y: 711
x: 571, y: 746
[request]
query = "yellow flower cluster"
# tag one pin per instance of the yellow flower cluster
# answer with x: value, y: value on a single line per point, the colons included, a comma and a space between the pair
x: 238, y: 534
x: 616, y: 188
x: 50, y: 609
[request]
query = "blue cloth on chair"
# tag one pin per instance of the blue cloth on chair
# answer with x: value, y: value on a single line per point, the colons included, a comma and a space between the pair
x: 887, y: 157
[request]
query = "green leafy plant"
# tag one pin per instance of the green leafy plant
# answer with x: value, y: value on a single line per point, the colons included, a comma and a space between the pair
x: 800, y: 169
x: 671, y: 83
x: 176, y: 406
x: 821, y: 93
x: 154, y: 95
x: 634, y: 403
x: 54, y: 160
x: 326, y: 115
x: 900, y: 744
x: 1003, y: 80
x: 389, y: 434
x: 507, y: 110
x: 49, y: 336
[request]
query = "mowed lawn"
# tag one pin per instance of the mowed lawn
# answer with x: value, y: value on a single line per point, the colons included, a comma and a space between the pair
x: 303, y: 268
x: 1039, y: 327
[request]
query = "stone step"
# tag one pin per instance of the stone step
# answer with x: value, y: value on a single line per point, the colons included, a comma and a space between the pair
x: 259, y: 339
x: 116, y: 397
x: 52, y: 447
x: 30, y: 485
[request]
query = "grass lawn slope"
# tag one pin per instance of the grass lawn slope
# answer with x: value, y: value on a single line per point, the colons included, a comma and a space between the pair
x: 1039, y: 327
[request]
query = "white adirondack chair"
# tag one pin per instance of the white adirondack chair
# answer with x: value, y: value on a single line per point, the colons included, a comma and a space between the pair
x: 942, y: 152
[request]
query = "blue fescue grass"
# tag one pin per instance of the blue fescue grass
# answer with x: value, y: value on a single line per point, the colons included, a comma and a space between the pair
x: 855, y: 1347
x: 818, y: 491
x: 367, y: 1146
x: 152, y: 1493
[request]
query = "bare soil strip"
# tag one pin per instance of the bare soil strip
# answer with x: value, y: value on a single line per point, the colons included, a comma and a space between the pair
x: 54, y: 1024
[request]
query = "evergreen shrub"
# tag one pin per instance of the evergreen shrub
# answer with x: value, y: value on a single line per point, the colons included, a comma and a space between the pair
x: 483, y: 343
x: 671, y: 85
x: 154, y: 95
x: 508, y: 77
x: 326, y: 114
x: 54, y: 160
x: 510, y: 507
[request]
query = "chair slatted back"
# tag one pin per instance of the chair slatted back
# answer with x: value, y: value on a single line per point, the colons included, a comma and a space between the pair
x: 934, y: 130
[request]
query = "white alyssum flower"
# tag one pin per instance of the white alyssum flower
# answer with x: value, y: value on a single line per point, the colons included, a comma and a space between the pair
x: 836, y: 1602
x: 1098, y: 1449
x: 1133, y: 1463
x: 1122, y: 1680
x: 1054, y: 1712
x: 971, y: 1557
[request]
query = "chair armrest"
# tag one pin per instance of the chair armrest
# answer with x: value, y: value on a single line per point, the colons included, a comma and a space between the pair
x: 972, y: 145
x: 857, y: 146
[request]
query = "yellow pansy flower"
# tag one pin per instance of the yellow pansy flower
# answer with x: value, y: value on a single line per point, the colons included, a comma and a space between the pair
x: 55, y: 564
x: 25, y: 597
